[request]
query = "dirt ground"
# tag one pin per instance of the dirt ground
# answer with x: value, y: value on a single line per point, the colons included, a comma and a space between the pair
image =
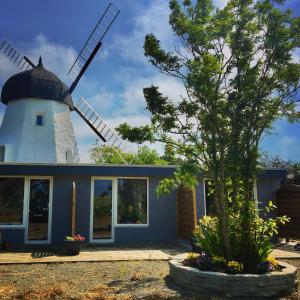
x: 100, y: 280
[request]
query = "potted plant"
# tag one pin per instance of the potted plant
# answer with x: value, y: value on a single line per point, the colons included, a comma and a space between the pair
x: 72, y: 244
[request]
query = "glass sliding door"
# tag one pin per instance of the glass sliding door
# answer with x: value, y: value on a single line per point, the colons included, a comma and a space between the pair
x: 101, y: 221
x: 38, y: 214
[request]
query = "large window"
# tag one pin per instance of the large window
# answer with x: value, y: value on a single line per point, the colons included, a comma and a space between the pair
x: 132, y: 201
x: 11, y: 200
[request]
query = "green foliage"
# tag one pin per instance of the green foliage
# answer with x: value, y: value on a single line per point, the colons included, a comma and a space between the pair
x: 110, y: 155
x: 191, y: 259
x: 262, y: 228
x: 219, y: 263
x: 268, y: 161
x: 234, y: 267
x: 237, y: 67
x: 207, y: 236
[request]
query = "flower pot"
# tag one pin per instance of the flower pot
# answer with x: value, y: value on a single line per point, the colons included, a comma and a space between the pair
x: 72, y: 247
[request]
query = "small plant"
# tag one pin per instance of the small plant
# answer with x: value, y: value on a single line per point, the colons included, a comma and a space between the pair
x: 271, y: 264
x: 273, y: 261
x: 205, y: 262
x: 207, y: 236
x: 234, y: 267
x: 265, y: 267
x: 75, y: 237
x: 219, y: 263
x: 192, y: 259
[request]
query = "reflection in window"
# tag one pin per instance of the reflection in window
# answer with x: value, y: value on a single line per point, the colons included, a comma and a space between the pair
x: 209, y: 198
x: 102, y: 220
x: 132, y: 201
x: 38, y: 209
x: 11, y: 201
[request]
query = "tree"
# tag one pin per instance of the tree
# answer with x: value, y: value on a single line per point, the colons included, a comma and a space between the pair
x: 237, y: 67
x: 111, y: 155
x: 268, y: 161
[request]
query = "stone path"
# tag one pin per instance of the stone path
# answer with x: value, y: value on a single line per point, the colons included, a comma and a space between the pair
x: 286, y: 251
x: 92, y: 255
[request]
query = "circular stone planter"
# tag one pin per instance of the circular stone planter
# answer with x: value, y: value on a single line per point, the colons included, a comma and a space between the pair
x: 242, y: 285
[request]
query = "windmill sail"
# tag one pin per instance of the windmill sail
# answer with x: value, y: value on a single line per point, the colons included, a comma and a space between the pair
x: 92, y: 45
x: 23, y: 62
x: 98, y: 125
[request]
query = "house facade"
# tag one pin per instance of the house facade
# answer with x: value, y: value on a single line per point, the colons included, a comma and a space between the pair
x: 107, y: 204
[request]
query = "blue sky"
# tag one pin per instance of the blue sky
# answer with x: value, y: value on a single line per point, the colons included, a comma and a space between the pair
x: 113, y: 84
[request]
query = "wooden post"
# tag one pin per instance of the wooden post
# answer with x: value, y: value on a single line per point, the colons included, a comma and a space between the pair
x: 73, y: 207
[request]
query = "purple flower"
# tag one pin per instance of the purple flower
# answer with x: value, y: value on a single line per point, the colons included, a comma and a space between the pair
x: 205, y: 262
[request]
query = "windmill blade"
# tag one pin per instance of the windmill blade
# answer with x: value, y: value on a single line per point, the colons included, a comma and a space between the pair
x: 92, y: 45
x: 99, y: 126
x: 23, y: 62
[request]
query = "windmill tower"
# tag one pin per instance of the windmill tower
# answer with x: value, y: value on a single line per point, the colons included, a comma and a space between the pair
x: 37, y: 123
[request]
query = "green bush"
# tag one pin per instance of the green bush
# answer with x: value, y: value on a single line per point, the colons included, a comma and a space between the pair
x: 207, y: 236
x: 234, y: 267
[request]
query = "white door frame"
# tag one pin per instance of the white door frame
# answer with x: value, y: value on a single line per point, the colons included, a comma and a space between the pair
x: 113, y: 194
x: 27, y: 200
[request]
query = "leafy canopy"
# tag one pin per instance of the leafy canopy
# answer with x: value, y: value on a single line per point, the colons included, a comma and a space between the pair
x: 239, y: 73
x: 145, y: 156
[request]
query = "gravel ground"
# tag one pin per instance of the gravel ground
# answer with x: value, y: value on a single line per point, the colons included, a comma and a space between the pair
x: 100, y: 280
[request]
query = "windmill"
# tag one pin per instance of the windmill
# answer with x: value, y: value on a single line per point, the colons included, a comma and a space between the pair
x: 77, y: 70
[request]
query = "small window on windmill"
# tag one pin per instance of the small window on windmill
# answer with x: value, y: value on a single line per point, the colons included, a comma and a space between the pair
x: 2, y: 153
x: 40, y: 119
x: 69, y: 156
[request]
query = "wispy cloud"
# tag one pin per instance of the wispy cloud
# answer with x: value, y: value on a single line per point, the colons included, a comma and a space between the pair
x: 151, y: 19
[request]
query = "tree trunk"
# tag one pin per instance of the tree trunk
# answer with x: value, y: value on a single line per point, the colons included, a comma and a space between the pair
x: 221, y: 213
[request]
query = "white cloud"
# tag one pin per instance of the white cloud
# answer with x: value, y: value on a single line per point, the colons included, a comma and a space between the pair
x: 220, y: 3
x: 152, y: 19
x: 7, y: 69
x: 133, y: 97
x: 84, y: 150
x: 296, y: 55
x: 56, y: 57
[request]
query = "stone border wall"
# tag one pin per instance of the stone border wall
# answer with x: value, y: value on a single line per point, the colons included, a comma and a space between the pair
x: 241, y: 285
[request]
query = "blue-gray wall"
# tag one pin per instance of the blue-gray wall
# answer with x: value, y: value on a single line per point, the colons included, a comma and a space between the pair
x: 162, y: 212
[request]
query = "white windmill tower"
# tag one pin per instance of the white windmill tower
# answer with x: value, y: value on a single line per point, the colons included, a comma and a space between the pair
x: 37, y: 123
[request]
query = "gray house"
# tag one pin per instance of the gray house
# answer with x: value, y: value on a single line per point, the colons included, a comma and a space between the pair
x: 107, y: 204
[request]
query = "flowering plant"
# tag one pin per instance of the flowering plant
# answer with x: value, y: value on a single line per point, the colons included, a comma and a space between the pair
x: 234, y: 267
x: 75, y: 237
x: 204, y: 262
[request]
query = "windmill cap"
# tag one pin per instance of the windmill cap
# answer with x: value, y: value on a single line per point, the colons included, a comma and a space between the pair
x: 36, y: 83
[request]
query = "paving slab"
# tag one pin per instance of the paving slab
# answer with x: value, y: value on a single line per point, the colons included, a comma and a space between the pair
x: 286, y: 250
x: 90, y: 255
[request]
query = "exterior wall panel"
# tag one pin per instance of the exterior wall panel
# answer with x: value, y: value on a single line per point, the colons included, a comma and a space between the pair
x: 162, y: 211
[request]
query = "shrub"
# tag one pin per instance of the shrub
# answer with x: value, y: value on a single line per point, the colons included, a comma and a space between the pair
x: 234, y: 267
x: 219, y: 263
x: 192, y: 259
x: 205, y: 262
x: 207, y: 236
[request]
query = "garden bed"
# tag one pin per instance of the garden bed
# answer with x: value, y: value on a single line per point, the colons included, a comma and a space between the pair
x: 274, y: 284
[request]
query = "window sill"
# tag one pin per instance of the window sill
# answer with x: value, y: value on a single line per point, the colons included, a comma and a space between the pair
x: 132, y: 225
x: 12, y: 227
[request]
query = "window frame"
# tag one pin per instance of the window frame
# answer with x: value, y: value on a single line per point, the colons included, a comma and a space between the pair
x: 48, y: 241
x: 115, y: 224
x: 43, y: 119
x: 255, y: 193
x: 25, y: 200
x: 113, y: 215
x: 147, y: 199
